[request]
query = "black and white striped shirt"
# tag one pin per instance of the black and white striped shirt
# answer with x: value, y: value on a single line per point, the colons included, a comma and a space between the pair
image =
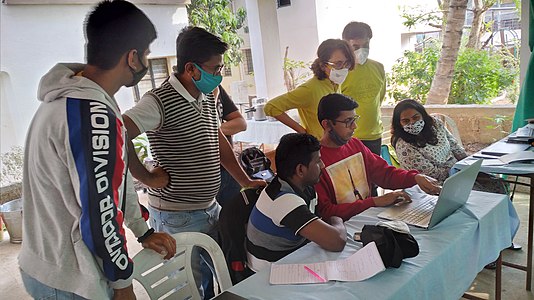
x: 184, y: 143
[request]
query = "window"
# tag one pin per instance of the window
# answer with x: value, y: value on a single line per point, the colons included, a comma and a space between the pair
x: 227, y: 71
x: 247, y: 61
x: 282, y: 3
x: 156, y: 75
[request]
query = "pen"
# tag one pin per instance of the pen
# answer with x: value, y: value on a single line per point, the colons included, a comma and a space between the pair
x: 321, y: 279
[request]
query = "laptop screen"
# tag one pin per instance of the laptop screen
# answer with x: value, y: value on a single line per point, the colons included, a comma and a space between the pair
x: 455, y: 192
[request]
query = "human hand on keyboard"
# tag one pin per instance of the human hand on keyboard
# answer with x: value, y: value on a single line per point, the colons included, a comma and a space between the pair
x: 392, y: 198
x: 428, y: 184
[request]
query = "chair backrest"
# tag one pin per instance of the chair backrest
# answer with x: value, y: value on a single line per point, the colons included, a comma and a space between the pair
x: 387, y: 152
x: 450, y: 125
x: 173, y: 278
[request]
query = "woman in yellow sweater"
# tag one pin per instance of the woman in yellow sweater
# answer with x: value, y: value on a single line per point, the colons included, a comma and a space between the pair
x: 334, y: 60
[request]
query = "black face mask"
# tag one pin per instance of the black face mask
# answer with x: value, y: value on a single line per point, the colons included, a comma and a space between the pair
x: 137, y: 76
x: 335, y: 137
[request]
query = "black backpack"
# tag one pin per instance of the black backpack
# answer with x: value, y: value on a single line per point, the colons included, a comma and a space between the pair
x: 256, y: 164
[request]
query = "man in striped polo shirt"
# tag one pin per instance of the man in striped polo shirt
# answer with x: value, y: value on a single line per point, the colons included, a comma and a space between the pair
x: 180, y: 119
x: 283, y: 218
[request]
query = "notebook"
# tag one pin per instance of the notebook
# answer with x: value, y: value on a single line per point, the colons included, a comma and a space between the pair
x: 425, y: 210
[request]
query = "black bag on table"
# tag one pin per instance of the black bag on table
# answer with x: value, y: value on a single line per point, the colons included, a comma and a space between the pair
x: 393, y: 246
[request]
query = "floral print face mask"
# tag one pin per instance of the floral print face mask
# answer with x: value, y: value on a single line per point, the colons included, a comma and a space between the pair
x: 414, y: 128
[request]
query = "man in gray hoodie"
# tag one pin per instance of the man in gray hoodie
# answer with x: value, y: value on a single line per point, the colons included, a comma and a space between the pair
x: 76, y: 189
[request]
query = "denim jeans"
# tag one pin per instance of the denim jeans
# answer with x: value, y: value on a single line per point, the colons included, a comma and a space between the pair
x: 201, y: 220
x: 41, y: 291
x: 229, y: 188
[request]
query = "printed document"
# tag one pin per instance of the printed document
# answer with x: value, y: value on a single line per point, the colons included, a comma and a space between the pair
x: 363, y: 264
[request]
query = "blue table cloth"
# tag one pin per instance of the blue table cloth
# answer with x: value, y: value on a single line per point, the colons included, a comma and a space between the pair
x: 451, y: 255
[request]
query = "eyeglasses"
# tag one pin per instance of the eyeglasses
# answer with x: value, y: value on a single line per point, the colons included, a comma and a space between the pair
x: 348, y: 122
x: 338, y: 65
x: 217, y: 69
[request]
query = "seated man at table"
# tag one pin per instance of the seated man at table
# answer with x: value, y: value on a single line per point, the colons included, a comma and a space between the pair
x: 351, y: 168
x: 283, y: 218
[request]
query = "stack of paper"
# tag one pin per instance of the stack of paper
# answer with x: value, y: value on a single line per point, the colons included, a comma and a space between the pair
x: 362, y: 265
x: 522, y: 156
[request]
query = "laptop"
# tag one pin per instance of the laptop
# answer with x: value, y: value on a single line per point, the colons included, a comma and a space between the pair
x: 425, y: 210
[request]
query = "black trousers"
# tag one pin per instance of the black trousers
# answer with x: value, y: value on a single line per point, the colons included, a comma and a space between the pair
x: 374, y: 146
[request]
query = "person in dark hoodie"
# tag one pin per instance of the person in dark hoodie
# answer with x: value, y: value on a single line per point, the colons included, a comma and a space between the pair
x: 76, y: 193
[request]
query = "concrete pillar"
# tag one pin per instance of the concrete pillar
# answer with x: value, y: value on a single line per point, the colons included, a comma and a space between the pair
x: 265, y: 47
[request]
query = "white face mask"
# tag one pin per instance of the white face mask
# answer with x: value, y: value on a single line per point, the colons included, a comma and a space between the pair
x: 361, y: 55
x: 338, y: 76
x: 414, y: 128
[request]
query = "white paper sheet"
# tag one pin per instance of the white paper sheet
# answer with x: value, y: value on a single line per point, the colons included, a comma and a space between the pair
x: 361, y: 265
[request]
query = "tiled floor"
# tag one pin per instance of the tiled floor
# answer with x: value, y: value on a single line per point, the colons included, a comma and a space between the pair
x: 513, y: 280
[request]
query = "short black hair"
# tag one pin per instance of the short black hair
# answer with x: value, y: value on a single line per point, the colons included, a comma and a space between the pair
x: 294, y: 149
x: 427, y: 135
x: 331, y: 106
x: 357, y: 30
x: 324, y: 52
x: 195, y: 44
x: 114, y: 28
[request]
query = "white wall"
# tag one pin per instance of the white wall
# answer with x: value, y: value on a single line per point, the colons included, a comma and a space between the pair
x: 35, y: 37
x: 265, y: 43
x: 297, y: 25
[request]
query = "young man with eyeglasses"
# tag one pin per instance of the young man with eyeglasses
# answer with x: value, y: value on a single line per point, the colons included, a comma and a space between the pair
x: 181, y: 121
x: 351, y: 168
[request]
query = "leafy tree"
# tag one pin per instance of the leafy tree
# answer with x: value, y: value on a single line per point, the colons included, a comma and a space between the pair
x: 295, y: 72
x: 479, y: 75
x: 441, y: 84
x: 217, y: 17
x: 479, y: 9
x: 451, y: 23
x: 412, y: 74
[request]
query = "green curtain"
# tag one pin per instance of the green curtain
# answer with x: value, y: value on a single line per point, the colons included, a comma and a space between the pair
x: 525, y: 104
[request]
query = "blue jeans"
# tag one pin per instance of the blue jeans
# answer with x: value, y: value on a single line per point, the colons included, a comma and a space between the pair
x: 41, y: 291
x: 201, y: 220
x: 229, y: 188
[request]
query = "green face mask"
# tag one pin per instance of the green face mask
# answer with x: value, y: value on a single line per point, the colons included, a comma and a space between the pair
x: 207, y: 82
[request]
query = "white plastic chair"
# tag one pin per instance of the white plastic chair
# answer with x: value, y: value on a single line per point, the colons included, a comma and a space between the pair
x: 450, y: 125
x: 173, y: 279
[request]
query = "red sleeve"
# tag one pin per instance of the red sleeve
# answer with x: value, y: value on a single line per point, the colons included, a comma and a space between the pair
x: 378, y: 172
x: 327, y: 204
x: 385, y: 176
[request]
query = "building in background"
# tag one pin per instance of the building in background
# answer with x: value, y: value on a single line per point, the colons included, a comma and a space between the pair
x: 34, y: 37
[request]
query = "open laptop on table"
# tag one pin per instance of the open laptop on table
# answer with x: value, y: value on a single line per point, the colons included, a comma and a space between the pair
x: 426, y: 210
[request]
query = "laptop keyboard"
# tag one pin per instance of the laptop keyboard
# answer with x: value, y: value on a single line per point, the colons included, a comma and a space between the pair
x: 417, y: 213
